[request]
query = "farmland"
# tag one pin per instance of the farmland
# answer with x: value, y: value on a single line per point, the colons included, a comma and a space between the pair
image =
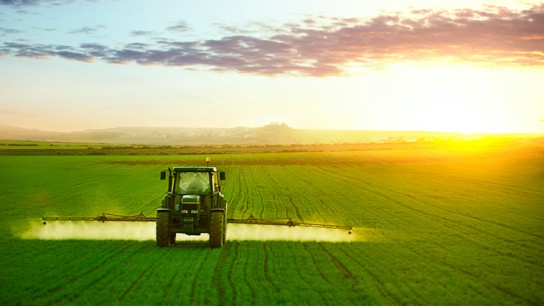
x: 446, y: 224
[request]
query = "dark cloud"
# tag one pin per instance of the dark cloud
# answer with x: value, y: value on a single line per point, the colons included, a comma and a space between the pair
x: 321, y: 46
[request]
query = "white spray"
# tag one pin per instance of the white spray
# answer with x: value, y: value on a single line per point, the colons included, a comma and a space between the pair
x: 70, y: 230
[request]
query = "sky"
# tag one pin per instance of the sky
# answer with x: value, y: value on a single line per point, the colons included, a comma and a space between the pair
x: 465, y: 66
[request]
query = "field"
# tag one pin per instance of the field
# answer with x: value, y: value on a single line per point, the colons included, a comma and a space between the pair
x: 454, y: 224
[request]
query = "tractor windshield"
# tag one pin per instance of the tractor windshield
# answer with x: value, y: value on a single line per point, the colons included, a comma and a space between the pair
x: 193, y: 182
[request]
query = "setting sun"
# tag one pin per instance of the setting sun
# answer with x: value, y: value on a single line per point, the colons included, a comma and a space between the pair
x: 451, y: 98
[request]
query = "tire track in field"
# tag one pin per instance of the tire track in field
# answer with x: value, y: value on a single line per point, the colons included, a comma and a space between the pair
x: 308, y: 193
x: 240, y: 197
x: 413, y: 289
x: 316, y: 264
x: 414, y: 292
x: 477, y: 278
x: 348, y: 275
x: 373, y: 188
x: 169, y: 285
x: 468, y: 237
x: 457, y: 222
x: 232, y: 285
x: 245, y: 265
x: 462, y: 232
x: 297, y: 210
x: 382, y: 288
x: 266, y: 267
x: 474, y: 182
x: 193, y: 259
x: 132, y: 285
x: 338, y: 265
x: 303, y: 199
x: 350, y: 210
x: 152, y: 268
x: 474, y: 218
x: 268, y: 203
x: 134, y: 264
x: 484, y: 185
x: 302, y: 276
x: 298, y: 193
x: 244, y: 194
x: 221, y: 288
x: 524, y: 191
x: 345, y: 211
x: 254, y: 198
x: 61, y: 286
x: 225, y: 265
x: 199, y: 271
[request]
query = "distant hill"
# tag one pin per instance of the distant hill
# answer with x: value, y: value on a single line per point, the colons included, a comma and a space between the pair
x: 268, y: 134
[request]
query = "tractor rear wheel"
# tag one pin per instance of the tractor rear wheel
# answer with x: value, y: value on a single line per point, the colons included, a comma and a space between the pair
x: 163, y: 228
x: 217, y: 226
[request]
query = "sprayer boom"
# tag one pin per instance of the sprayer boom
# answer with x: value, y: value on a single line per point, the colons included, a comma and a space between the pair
x: 251, y: 220
x: 103, y: 217
x: 286, y: 222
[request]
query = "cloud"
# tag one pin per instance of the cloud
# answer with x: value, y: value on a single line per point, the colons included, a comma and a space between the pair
x: 180, y: 26
x: 45, y: 51
x: 322, y: 46
x: 87, y: 30
x: 20, y: 3
x: 7, y: 31
x: 142, y: 33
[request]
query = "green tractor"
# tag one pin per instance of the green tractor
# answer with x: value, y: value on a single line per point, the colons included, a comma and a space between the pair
x: 192, y: 205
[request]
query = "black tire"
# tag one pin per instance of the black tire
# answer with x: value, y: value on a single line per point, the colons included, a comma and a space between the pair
x: 217, y: 226
x: 225, y: 222
x: 163, y: 228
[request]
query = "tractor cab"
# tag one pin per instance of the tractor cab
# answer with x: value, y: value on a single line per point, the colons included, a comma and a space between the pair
x: 194, y: 182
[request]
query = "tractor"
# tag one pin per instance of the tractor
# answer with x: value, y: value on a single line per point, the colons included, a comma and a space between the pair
x: 192, y: 205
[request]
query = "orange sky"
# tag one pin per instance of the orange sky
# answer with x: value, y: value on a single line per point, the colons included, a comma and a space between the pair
x: 461, y: 66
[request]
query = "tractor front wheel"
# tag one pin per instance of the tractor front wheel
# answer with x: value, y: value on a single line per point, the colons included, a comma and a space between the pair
x: 217, y: 227
x: 163, y: 228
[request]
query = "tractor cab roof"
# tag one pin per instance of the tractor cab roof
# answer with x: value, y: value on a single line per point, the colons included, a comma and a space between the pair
x: 194, y: 169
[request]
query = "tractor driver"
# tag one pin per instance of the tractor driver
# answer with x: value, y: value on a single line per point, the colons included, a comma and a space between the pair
x: 194, y: 183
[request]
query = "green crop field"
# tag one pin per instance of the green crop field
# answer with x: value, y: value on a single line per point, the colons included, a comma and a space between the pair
x: 457, y: 224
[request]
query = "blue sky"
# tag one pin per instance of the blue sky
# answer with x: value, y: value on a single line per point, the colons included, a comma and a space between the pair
x: 463, y: 66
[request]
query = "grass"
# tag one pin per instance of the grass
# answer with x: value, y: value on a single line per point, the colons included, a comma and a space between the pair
x: 444, y: 225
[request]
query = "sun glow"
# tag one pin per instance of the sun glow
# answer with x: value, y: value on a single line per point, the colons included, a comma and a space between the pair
x: 449, y: 98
